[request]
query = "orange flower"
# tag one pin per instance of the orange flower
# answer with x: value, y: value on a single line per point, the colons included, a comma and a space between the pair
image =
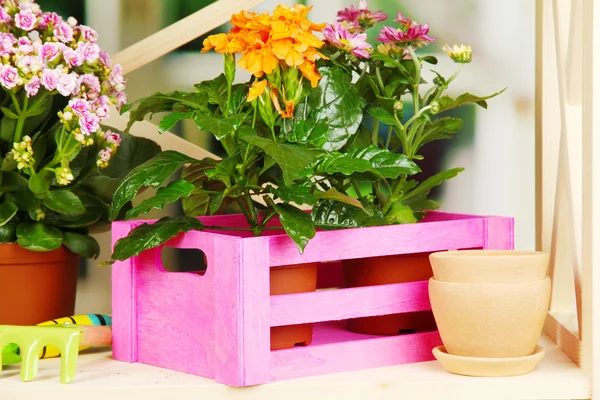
x: 286, y: 50
x: 256, y: 90
x: 223, y: 43
x: 289, y: 110
x: 258, y: 61
x: 309, y: 70
x: 251, y: 20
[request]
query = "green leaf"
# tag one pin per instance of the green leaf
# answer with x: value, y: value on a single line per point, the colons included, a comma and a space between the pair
x: 9, y: 113
x: 12, y: 182
x: 371, y: 160
x: 425, y: 187
x: 64, y: 202
x: 239, y: 93
x: 39, y: 107
x: 335, y: 195
x: 164, y: 195
x: 216, y: 200
x: 133, y: 151
x: 429, y: 59
x: 335, y: 103
x: 147, y: 236
x: 153, y: 173
x: 292, y: 158
x: 84, y: 245
x: 7, y: 211
x: 39, y: 150
x: 7, y: 233
x: 161, y: 102
x: 383, y: 115
x: 441, y: 128
x: 297, y: 224
x: 336, y: 215
x: 24, y: 200
x: 38, y: 236
x: 218, y: 126
x: 39, y: 183
x: 400, y: 214
x: 196, y: 204
x: 172, y: 119
x: 67, y: 220
x: 216, y: 89
x: 308, y: 132
x: 224, y: 171
x: 447, y: 102
x: 296, y: 194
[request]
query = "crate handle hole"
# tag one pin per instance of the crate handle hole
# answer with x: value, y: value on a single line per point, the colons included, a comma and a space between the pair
x: 183, y: 260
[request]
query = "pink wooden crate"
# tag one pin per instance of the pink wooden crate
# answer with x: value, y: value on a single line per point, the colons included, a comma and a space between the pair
x: 218, y: 325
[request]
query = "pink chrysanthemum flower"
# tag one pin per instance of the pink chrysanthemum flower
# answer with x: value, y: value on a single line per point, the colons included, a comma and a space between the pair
x: 342, y: 38
x: 415, y: 35
x: 361, y: 18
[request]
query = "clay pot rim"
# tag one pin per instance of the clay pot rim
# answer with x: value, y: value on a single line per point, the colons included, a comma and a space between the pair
x: 485, y: 284
x: 539, y: 352
x: 487, y: 254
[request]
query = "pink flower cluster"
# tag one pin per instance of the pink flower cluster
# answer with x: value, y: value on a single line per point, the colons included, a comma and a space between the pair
x: 343, y: 39
x: 409, y: 34
x: 361, y: 18
x: 43, y: 55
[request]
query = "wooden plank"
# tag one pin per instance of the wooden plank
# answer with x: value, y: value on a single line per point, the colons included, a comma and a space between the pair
x: 498, y: 233
x: 350, y: 355
x: 379, y: 241
x: 591, y: 195
x: 568, y: 342
x: 241, y: 301
x: 180, y: 33
x: 124, y: 313
x: 339, y: 304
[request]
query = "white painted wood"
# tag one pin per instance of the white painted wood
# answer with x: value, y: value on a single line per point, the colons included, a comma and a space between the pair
x: 98, y: 378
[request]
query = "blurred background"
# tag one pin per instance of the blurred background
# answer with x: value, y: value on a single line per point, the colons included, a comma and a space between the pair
x: 496, y: 146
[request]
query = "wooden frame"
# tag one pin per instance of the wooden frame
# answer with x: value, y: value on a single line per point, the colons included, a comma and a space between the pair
x: 568, y: 175
x: 567, y: 134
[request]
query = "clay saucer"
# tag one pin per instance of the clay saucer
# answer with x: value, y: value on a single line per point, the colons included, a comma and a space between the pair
x: 490, y: 367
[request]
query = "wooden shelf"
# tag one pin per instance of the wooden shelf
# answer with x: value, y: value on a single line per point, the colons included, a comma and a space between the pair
x: 100, y: 377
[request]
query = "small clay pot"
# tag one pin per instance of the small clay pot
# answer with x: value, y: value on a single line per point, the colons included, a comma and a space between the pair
x: 386, y: 270
x: 491, y: 303
x: 36, y: 286
x: 286, y: 280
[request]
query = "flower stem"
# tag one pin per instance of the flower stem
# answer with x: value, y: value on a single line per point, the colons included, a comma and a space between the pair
x: 379, y: 80
x: 417, y: 82
x: 21, y: 120
x: 389, y: 138
x: 375, y: 133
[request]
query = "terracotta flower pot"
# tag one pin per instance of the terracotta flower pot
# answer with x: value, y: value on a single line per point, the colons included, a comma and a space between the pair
x: 490, y: 303
x: 387, y: 270
x: 292, y: 279
x: 36, y: 286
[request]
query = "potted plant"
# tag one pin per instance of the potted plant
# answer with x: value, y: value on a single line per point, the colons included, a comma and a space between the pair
x: 294, y: 135
x: 59, y: 166
x: 387, y: 76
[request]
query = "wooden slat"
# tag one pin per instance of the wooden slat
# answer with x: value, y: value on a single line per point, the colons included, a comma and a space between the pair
x: 180, y: 33
x: 339, y: 304
x: 568, y: 342
x: 591, y: 195
x: 318, y: 359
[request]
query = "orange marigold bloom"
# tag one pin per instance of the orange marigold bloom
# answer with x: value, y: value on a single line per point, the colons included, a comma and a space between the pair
x: 289, y: 110
x: 286, y: 50
x: 223, y: 43
x: 250, y: 20
x: 258, y: 61
x: 256, y: 90
x: 309, y: 70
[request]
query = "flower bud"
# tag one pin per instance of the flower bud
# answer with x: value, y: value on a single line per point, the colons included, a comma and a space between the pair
x: 398, y: 105
x: 435, y: 107
x: 459, y: 54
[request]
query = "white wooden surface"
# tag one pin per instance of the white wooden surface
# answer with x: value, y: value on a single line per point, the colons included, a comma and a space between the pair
x: 99, y: 377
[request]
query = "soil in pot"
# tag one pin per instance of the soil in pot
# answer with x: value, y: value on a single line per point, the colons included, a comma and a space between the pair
x: 36, y: 286
x: 286, y: 280
x: 386, y: 270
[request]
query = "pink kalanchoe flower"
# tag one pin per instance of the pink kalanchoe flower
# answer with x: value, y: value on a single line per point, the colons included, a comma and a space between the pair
x: 50, y: 78
x: 91, y: 82
x: 89, y: 51
x: 49, y: 19
x: 416, y: 35
x: 24, y: 45
x: 9, y: 77
x: 116, y: 78
x: 361, y: 18
x: 100, y: 107
x: 7, y: 42
x: 121, y: 99
x: 79, y: 106
x: 112, y: 138
x: 25, y: 20
x: 104, y: 58
x: 73, y: 57
x: 50, y: 51
x: 68, y: 84
x: 5, y: 17
x: 340, y: 37
x: 63, y: 32
x: 88, y: 34
x: 33, y: 86
x: 89, y: 123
